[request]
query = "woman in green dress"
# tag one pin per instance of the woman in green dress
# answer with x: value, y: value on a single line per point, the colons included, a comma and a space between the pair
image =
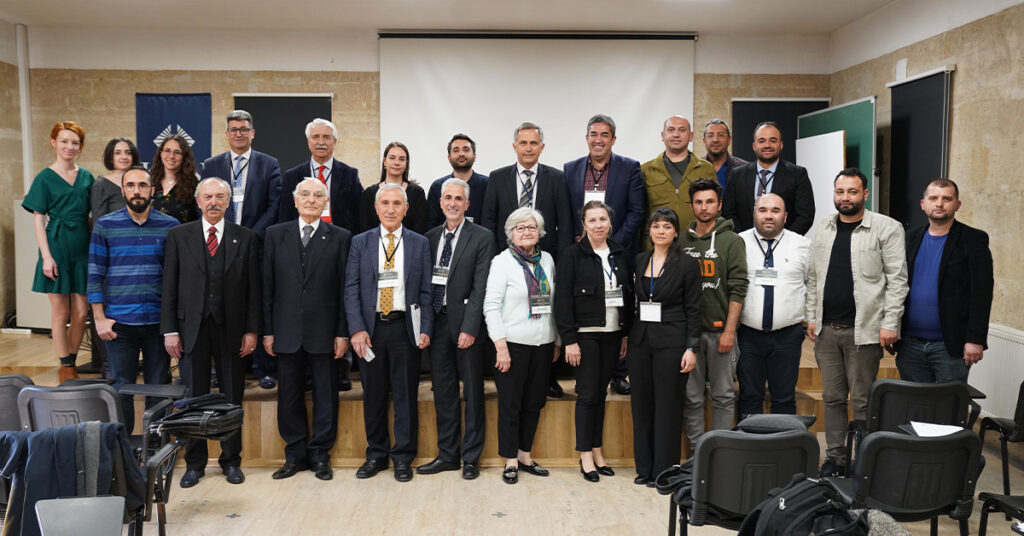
x: 59, y: 201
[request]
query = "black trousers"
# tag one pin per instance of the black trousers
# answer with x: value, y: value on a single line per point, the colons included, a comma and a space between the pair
x: 291, y: 405
x: 448, y: 365
x: 522, y: 393
x: 213, y: 346
x: 658, y: 394
x: 396, y: 368
x: 599, y: 355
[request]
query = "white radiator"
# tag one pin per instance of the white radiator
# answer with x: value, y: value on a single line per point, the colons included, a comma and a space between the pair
x: 1000, y: 372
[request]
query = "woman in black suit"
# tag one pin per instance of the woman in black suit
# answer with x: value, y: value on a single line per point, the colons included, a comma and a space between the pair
x: 593, y: 310
x: 661, y: 345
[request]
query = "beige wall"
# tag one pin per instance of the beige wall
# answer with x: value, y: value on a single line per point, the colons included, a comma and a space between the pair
x: 103, y: 102
x: 987, y: 119
x: 11, y: 185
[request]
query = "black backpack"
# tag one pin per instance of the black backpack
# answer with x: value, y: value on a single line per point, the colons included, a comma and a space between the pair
x: 804, y: 506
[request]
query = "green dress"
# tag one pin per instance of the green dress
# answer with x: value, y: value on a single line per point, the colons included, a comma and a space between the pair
x: 67, y: 231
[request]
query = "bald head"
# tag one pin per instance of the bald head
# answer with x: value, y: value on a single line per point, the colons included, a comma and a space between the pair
x: 676, y: 134
x: 769, y: 215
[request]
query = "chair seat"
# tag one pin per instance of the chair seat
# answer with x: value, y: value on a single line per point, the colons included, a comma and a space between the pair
x: 1011, y: 505
x: 1006, y: 426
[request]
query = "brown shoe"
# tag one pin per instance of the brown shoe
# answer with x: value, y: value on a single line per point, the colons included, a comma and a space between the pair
x: 68, y: 373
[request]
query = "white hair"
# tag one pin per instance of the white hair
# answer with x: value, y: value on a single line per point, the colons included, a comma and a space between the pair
x: 520, y: 215
x: 317, y: 182
x: 224, y: 184
x: 387, y: 187
x: 455, y: 182
x: 322, y: 123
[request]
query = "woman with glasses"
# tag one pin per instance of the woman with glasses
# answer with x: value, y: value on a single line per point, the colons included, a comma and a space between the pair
x: 518, y: 310
x: 175, y: 179
x: 106, y: 196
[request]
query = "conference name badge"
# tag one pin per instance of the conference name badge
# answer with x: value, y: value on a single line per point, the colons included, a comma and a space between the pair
x: 387, y: 279
x: 767, y: 277
x: 650, y: 311
x: 540, y: 305
x: 440, y: 276
x: 613, y: 297
x: 592, y: 195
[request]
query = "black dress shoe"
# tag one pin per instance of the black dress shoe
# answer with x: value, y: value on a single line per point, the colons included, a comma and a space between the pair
x: 437, y: 465
x: 555, y: 390
x: 289, y: 469
x: 403, y: 472
x: 268, y: 382
x: 605, y: 470
x: 470, y: 471
x: 589, y: 476
x: 323, y: 470
x: 510, y: 475
x: 372, y: 467
x: 621, y: 386
x: 534, y: 468
x: 344, y: 384
x: 234, y: 475
x: 642, y: 480
x: 191, y: 477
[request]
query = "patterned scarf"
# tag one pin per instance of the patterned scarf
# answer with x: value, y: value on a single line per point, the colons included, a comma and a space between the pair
x: 536, y: 280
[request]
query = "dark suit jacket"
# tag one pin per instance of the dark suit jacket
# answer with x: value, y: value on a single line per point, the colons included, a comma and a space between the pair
x: 345, y: 192
x: 477, y: 190
x: 551, y: 200
x: 467, y: 276
x: 965, y: 285
x: 185, y: 282
x: 305, y: 308
x: 678, y: 290
x: 790, y: 182
x: 262, y: 188
x: 625, y: 194
x: 361, y: 282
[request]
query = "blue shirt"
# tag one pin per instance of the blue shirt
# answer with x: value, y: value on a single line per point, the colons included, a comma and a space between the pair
x: 723, y: 175
x: 126, y: 266
x: 923, y: 305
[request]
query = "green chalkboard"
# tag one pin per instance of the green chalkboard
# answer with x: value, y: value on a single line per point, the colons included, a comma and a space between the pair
x: 857, y: 119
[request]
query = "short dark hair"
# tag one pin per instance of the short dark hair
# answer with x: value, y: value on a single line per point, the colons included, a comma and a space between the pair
x: 728, y: 131
x: 601, y: 118
x: 852, y: 172
x: 461, y: 136
x: 108, y: 153
x: 239, y: 115
x: 667, y: 215
x: 766, y: 124
x: 702, y: 184
x: 942, y: 183
x: 138, y: 168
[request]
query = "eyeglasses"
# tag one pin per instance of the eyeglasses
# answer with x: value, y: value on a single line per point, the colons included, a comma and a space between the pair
x: 236, y: 131
x: 526, y: 228
x: 174, y: 152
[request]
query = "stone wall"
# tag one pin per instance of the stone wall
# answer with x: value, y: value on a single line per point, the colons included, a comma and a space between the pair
x: 11, y: 183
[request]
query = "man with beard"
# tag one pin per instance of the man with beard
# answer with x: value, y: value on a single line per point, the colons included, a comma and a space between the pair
x: 856, y: 286
x: 769, y: 174
x: 462, y: 156
x: 945, y: 328
x: 126, y: 256
x: 717, y: 138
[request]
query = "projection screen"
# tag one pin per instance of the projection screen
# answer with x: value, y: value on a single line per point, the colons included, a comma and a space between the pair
x: 432, y: 88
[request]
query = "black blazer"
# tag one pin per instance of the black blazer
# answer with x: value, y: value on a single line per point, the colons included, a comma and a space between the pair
x: 552, y: 201
x: 467, y: 277
x: 305, y: 309
x: 345, y: 192
x: 262, y: 188
x: 415, y: 218
x: 790, y: 183
x: 579, y: 289
x: 185, y: 276
x: 965, y: 285
x: 678, y: 290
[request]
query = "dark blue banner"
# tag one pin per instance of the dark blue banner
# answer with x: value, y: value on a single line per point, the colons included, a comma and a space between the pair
x: 158, y: 115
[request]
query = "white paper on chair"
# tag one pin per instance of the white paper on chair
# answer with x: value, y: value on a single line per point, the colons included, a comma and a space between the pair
x: 927, y: 429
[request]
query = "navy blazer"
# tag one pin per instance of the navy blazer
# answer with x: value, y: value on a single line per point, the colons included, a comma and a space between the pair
x: 790, y: 182
x: 551, y: 200
x: 477, y: 189
x: 345, y: 192
x: 262, y: 188
x: 624, y: 193
x: 361, y: 282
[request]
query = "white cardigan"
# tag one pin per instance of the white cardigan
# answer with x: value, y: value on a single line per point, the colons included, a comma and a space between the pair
x: 507, y: 306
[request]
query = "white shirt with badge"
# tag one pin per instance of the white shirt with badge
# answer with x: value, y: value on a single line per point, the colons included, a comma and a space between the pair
x: 238, y: 193
x: 791, y: 254
x: 612, y: 296
x: 439, y: 274
x: 393, y: 278
x: 507, y: 304
x: 314, y: 169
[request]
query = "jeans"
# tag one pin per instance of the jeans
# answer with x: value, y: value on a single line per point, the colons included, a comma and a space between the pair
x: 773, y: 358
x: 927, y: 361
x: 847, y: 369
x: 123, y: 358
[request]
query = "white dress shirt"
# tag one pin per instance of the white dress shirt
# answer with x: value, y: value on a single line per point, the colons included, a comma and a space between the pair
x: 771, y: 177
x: 440, y: 247
x: 238, y: 193
x: 303, y: 224
x: 206, y: 231
x: 791, y: 256
x: 398, y: 292
x: 520, y: 179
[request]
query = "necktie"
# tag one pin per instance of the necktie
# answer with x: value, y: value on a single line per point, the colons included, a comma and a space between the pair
x: 307, y: 233
x: 762, y: 183
x: 320, y: 174
x: 211, y: 241
x: 527, y: 197
x: 446, y: 259
x: 387, y: 294
x: 769, y: 291
x: 236, y: 183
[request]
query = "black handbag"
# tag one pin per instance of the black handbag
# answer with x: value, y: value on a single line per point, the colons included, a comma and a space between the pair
x: 206, y: 417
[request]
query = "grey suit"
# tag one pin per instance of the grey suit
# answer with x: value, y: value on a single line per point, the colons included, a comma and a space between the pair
x: 467, y: 280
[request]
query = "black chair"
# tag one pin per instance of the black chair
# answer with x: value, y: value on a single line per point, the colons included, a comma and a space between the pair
x: 81, y: 516
x: 1010, y: 431
x: 10, y: 386
x: 893, y: 403
x: 50, y: 407
x: 733, y: 472
x: 915, y: 478
x: 1011, y: 505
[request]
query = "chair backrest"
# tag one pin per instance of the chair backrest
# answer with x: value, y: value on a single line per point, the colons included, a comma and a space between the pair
x: 1018, y: 415
x: 892, y: 403
x: 10, y: 386
x: 80, y: 516
x: 733, y: 471
x: 916, y: 478
x: 52, y: 407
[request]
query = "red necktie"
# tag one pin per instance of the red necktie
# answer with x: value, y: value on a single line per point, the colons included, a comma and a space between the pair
x: 211, y: 241
x: 320, y: 174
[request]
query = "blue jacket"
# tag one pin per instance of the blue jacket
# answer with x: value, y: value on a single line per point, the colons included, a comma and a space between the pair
x: 625, y: 194
x: 262, y: 188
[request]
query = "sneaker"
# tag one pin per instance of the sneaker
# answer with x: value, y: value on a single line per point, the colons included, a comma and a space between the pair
x: 832, y: 468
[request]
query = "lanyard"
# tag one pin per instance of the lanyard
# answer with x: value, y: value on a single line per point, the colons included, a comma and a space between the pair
x: 611, y: 265
x: 597, y: 174
x: 328, y: 169
x: 387, y: 258
x: 771, y: 248
x: 234, y: 179
x: 650, y: 294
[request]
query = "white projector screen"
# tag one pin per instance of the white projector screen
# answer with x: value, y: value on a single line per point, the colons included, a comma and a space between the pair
x: 432, y: 88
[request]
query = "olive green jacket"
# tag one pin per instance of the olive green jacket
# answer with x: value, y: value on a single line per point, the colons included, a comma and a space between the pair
x: 662, y: 193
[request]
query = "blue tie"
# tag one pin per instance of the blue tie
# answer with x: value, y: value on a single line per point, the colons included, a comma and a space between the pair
x: 446, y: 259
x: 769, y: 291
x: 236, y: 183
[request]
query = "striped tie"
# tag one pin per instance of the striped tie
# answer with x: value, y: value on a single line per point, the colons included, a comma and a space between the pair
x: 211, y: 241
x: 527, y: 197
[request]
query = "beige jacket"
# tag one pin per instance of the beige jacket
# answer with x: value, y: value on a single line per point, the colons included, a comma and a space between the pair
x: 879, y: 262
